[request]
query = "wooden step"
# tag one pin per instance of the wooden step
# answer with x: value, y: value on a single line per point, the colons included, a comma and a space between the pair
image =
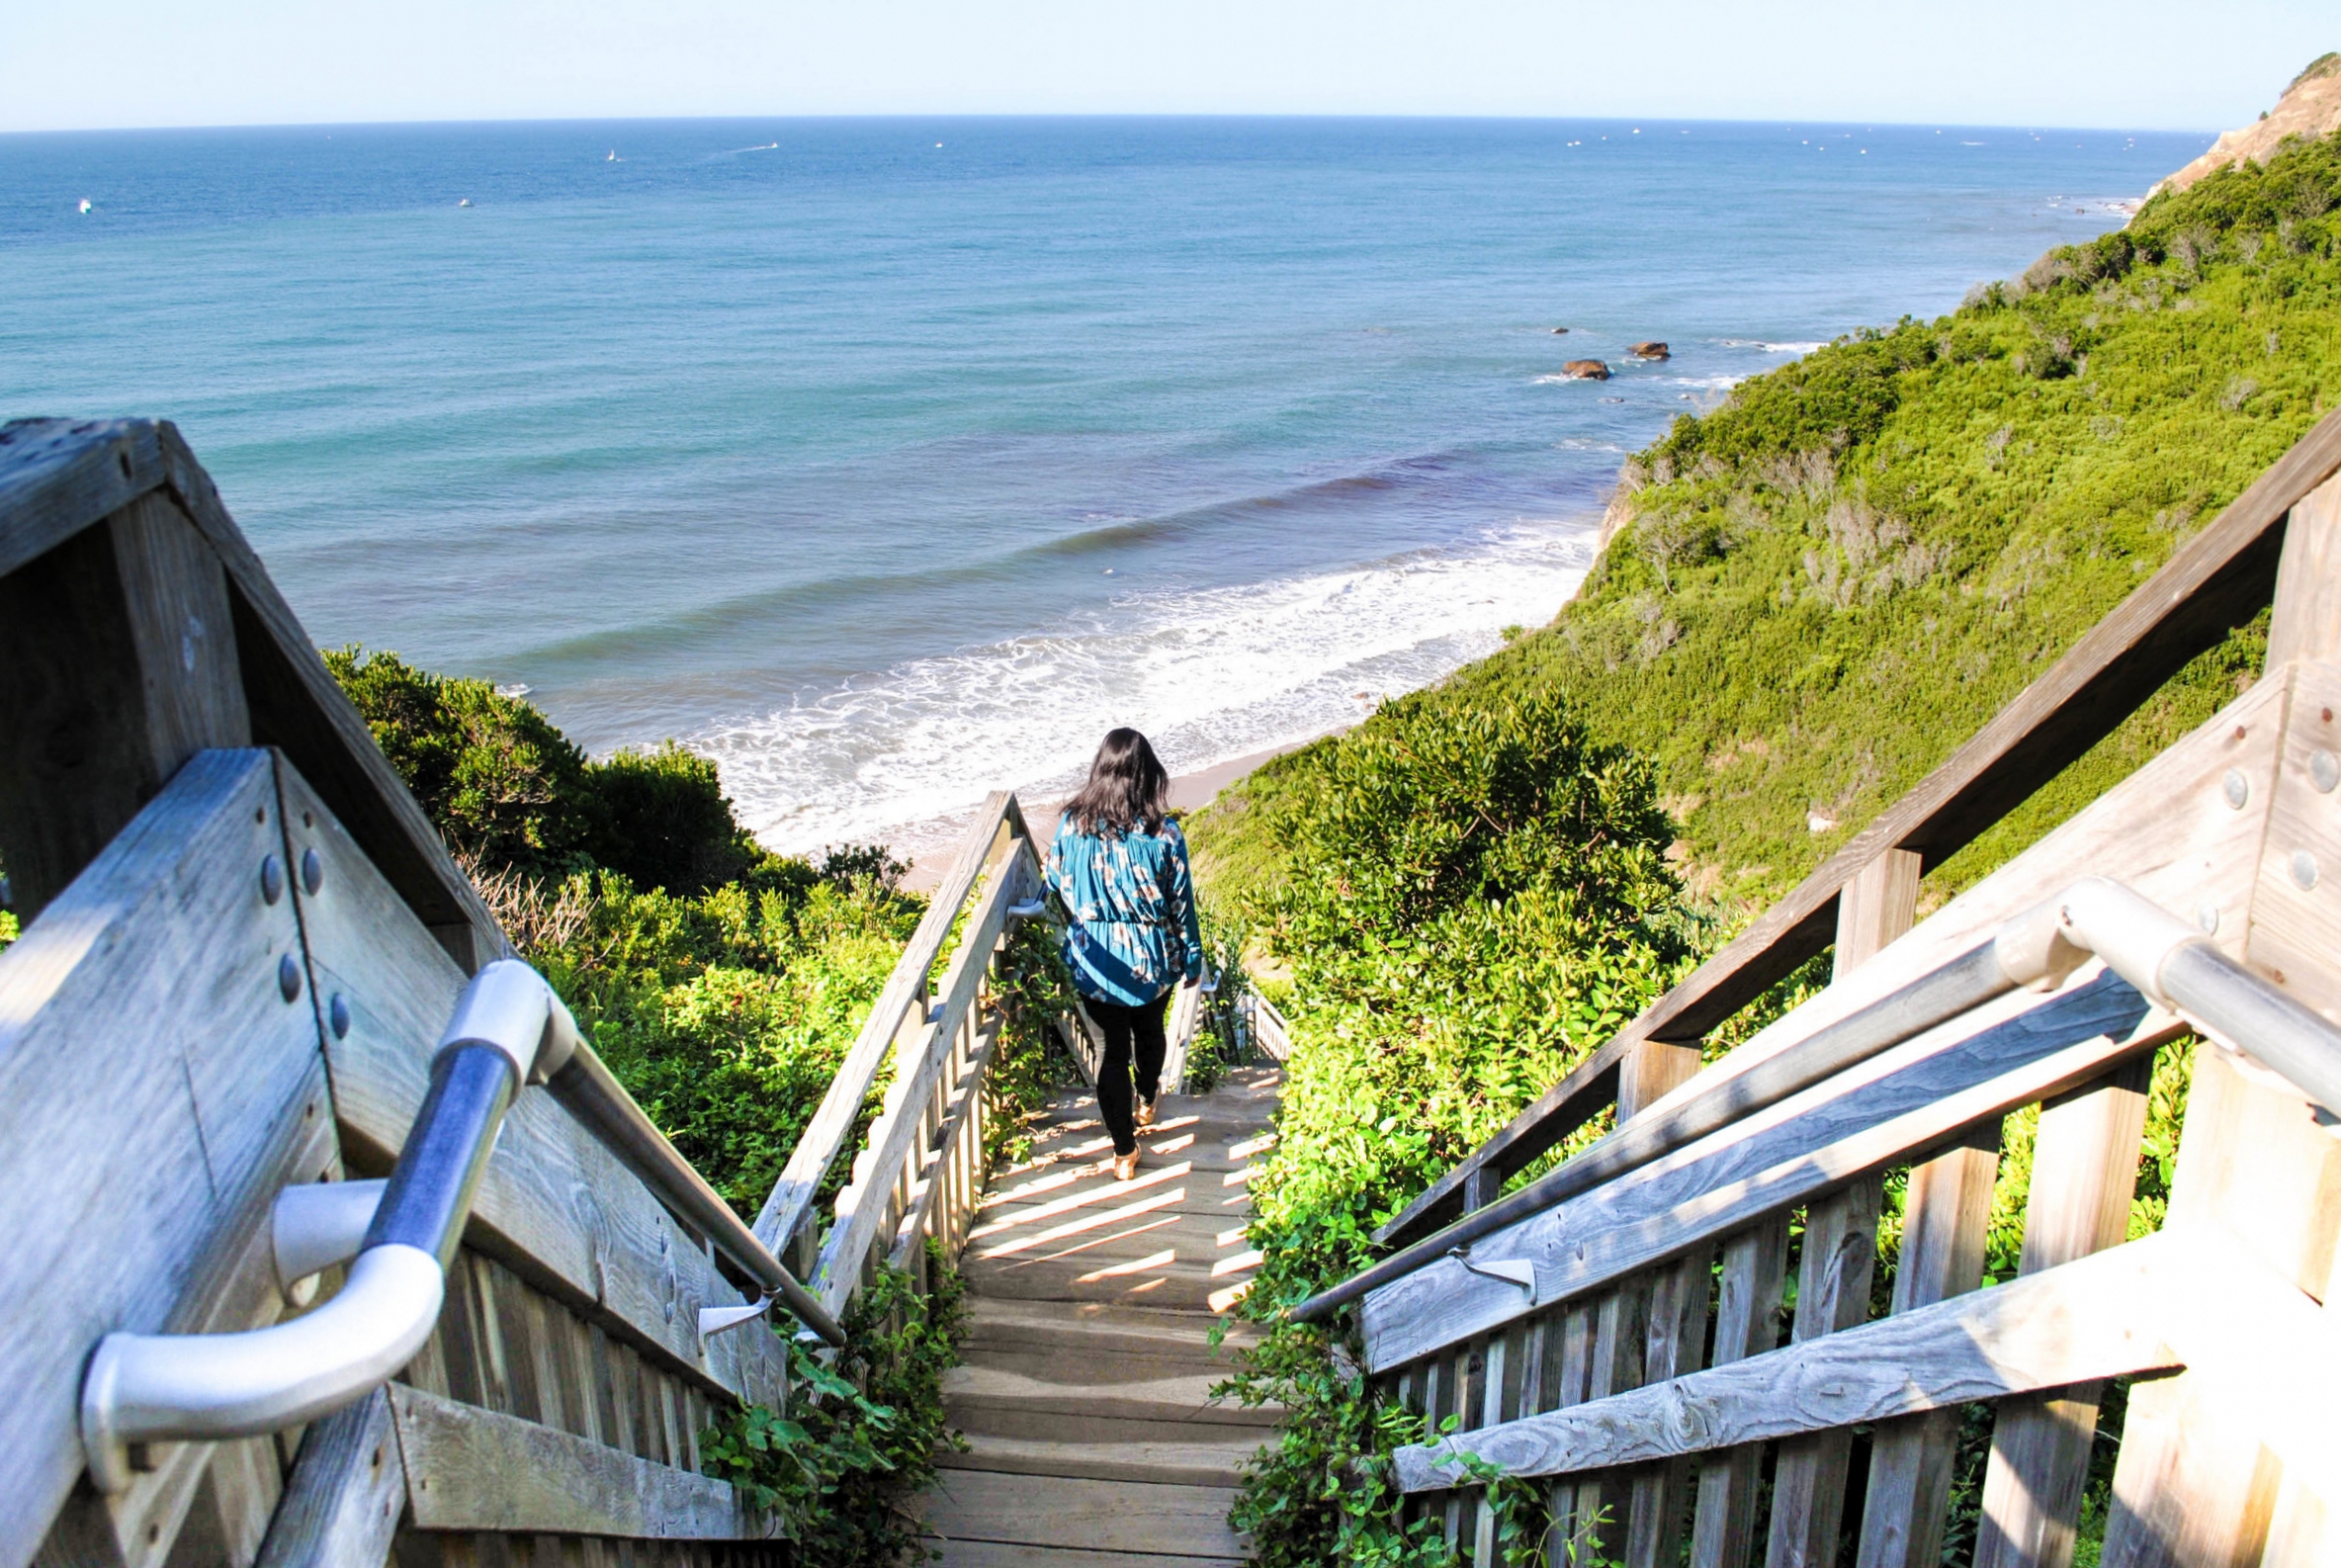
x: 1162, y: 1277
x: 1099, y: 1329
x: 983, y: 1398
x: 1182, y: 1460
x: 1079, y: 1380
x: 1085, y: 1393
x: 1146, y: 1517
x: 1006, y: 1554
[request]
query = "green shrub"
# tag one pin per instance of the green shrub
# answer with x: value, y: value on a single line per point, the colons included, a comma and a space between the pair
x: 844, y: 1465
x: 510, y: 792
x: 1473, y: 899
x: 668, y: 822
x: 727, y: 1017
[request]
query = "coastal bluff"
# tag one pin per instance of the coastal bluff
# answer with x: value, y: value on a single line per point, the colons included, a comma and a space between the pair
x: 2310, y: 107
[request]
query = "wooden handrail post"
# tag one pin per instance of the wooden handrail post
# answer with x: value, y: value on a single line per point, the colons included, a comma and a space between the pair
x: 1878, y: 904
x: 2193, y: 1487
x: 123, y: 665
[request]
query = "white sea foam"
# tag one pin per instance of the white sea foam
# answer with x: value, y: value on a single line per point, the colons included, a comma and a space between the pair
x: 1209, y: 675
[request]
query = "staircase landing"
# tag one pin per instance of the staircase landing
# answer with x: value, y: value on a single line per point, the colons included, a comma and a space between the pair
x: 1083, y: 1395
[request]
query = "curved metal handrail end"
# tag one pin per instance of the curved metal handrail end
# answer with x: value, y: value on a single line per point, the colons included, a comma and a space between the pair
x: 206, y: 1387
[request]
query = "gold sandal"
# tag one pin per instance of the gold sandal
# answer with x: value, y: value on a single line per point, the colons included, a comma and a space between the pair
x: 1146, y: 1115
x: 1125, y: 1166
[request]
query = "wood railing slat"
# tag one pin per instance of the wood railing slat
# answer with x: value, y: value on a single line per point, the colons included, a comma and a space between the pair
x: 2008, y: 1053
x: 2092, y: 1319
x: 474, y: 1469
x: 1946, y: 1227
x: 2084, y: 1174
x: 789, y: 1206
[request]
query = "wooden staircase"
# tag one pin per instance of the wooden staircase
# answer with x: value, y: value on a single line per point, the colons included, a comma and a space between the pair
x: 1085, y: 1393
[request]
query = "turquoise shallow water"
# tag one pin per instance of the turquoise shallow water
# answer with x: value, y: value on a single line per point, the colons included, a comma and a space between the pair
x: 892, y: 461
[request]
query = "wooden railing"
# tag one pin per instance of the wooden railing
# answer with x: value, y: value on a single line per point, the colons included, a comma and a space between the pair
x: 1631, y: 1348
x: 918, y: 1172
x: 243, y: 941
x: 2216, y: 580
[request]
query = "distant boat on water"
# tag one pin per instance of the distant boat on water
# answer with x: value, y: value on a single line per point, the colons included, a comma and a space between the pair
x: 466, y: 201
x: 85, y: 206
x: 613, y: 157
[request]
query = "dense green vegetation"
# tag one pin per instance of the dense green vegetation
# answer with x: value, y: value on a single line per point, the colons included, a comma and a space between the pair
x: 723, y: 985
x: 1810, y: 596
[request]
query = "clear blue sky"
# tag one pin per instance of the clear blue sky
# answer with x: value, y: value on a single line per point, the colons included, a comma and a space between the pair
x: 2126, y: 63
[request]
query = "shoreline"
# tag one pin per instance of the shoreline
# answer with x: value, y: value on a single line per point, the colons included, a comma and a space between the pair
x: 1189, y: 791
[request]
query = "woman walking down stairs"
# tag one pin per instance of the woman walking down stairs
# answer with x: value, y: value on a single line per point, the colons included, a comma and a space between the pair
x: 1093, y: 1442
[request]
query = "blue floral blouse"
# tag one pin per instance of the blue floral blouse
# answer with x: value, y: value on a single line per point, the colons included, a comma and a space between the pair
x: 1132, y: 934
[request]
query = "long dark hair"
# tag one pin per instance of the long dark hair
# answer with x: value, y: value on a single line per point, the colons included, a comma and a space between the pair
x: 1127, y: 788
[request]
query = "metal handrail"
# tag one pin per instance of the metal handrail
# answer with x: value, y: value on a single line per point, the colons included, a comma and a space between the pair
x: 2171, y: 961
x: 509, y: 1030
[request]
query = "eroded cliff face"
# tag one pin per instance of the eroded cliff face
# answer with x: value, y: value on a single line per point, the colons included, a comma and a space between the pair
x: 2310, y: 107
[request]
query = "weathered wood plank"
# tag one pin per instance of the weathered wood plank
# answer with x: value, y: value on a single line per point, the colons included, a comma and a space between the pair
x: 2259, y: 1403
x: 473, y: 1469
x: 1752, y: 1281
x: 2190, y: 1487
x: 235, y: 1484
x: 789, y: 1202
x: 124, y: 667
x: 348, y: 1487
x: 1876, y: 908
x: 1662, y: 1493
x: 2295, y: 910
x: 2084, y: 1174
x: 1946, y: 1228
x: 59, y: 477
x: 554, y: 1202
x: 143, y: 1011
x: 1832, y: 1295
x: 934, y: 1209
x: 2091, y: 1319
x: 2008, y: 1053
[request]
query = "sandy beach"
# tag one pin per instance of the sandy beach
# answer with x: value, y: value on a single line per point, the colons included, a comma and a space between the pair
x: 1188, y: 792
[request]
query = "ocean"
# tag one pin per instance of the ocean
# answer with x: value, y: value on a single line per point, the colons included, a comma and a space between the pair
x: 894, y: 460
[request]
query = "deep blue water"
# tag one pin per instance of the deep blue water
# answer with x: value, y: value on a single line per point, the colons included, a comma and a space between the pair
x: 893, y: 460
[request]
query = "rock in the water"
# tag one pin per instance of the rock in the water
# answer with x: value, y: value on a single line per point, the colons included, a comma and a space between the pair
x: 1587, y: 369
x: 1651, y: 351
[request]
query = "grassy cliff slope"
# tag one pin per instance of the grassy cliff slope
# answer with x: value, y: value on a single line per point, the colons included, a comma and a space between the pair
x: 1813, y: 594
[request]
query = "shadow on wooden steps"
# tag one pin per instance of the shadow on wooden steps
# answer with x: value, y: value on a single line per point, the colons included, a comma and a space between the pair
x: 1085, y: 1395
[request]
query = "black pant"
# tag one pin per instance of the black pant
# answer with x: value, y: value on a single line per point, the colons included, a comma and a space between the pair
x: 1122, y: 1026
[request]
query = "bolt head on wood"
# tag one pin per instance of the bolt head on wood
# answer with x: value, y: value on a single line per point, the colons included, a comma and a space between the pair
x: 272, y: 879
x: 289, y: 976
x: 2236, y: 788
